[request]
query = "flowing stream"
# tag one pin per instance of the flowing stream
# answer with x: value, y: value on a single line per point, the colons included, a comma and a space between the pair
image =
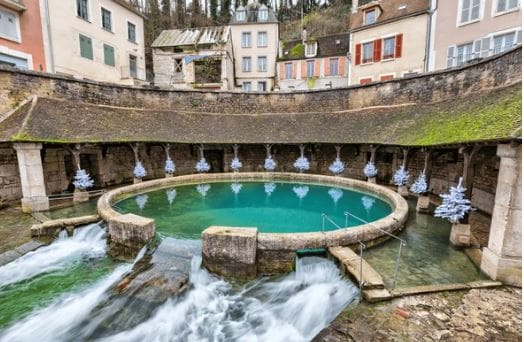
x: 294, y: 307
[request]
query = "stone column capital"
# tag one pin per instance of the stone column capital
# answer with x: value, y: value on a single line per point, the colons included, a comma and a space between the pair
x: 508, y: 151
x: 27, y: 146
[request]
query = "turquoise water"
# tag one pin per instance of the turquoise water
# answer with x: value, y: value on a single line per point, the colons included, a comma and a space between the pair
x: 185, y: 211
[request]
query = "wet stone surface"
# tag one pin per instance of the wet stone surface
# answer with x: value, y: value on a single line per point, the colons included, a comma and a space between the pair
x: 474, y: 315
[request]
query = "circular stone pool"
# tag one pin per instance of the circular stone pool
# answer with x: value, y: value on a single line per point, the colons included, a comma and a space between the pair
x: 184, y: 211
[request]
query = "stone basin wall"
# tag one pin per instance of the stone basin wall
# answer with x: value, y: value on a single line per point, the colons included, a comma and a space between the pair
x: 275, y: 252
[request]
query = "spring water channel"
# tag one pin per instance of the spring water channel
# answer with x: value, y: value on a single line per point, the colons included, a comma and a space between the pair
x: 71, y: 291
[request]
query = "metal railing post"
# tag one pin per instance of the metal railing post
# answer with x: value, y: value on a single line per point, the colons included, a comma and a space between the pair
x: 397, y: 265
x: 361, y: 281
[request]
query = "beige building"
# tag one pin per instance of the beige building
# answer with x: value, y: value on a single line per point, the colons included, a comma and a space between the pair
x: 196, y: 58
x: 101, y: 40
x: 468, y: 29
x: 254, y: 32
x: 389, y: 39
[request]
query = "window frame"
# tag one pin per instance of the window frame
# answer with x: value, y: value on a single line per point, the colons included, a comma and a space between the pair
x: 243, y: 43
x: 259, y: 34
x: 114, y: 56
x: 331, y: 60
x: 92, y: 58
x: 374, y: 10
x: 243, y: 14
x: 370, y: 60
x: 110, y: 29
x: 135, y: 32
x: 265, y: 86
x: 504, y: 36
x: 290, y: 64
x: 244, y: 59
x: 259, y: 59
x: 178, y: 65
x: 460, y: 5
x: 308, y: 63
x: 388, y: 57
x: 244, y: 86
x: 260, y: 11
x: 135, y: 58
x: 495, y: 12
x: 370, y: 78
x: 465, y: 57
x: 18, y: 39
x: 88, y: 11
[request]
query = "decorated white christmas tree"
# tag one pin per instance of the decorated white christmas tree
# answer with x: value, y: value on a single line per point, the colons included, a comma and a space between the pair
x: 337, y: 167
x: 236, y: 164
x: 420, y: 186
x: 401, y: 176
x: 169, y: 168
x: 202, y: 165
x: 82, y: 180
x: 301, y: 164
x: 454, y: 206
x: 139, y: 171
x: 270, y: 164
x: 370, y: 170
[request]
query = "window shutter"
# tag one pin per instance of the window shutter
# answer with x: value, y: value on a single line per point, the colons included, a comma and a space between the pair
x: 327, y: 63
x: 484, y: 47
x: 317, y: 68
x: 282, y: 70
x: 377, y: 50
x: 476, y: 48
x: 358, y: 54
x: 451, y: 56
x: 294, y: 68
x: 519, y: 37
x: 341, y: 65
x: 303, y: 74
x: 398, y: 46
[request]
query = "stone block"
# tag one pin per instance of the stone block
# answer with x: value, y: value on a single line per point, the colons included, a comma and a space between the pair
x: 230, y: 252
x: 80, y: 196
x: 423, y: 204
x: 131, y: 230
x: 271, y: 262
x: 372, y: 180
x: 505, y: 269
x: 30, y: 205
x: 403, y: 190
x: 460, y: 235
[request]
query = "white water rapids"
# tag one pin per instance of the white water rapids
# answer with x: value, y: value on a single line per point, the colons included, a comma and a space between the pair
x: 88, y: 241
x: 291, y: 308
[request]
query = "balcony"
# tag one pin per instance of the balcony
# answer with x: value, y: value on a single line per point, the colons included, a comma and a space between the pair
x: 15, y: 5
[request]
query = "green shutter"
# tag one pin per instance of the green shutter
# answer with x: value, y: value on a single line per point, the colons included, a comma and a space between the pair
x: 86, y: 47
x: 109, y: 55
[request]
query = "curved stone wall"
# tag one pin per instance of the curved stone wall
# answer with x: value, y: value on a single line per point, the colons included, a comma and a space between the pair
x: 278, y: 242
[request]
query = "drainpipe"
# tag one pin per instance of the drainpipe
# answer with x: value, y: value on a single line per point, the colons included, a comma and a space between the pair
x: 49, y: 38
x: 429, y: 37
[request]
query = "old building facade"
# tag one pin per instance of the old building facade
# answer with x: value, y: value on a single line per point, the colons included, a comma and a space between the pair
x: 320, y: 63
x: 101, y: 40
x: 197, y: 58
x: 388, y: 39
x: 254, y: 32
x: 21, y: 41
x: 465, y: 30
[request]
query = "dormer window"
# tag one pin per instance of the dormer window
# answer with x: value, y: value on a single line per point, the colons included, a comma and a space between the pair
x: 311, y: 49
x: 241, y: 14
x: 262, y: 13
x: 370, y: 16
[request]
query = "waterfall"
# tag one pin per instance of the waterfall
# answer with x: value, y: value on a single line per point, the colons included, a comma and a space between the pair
x: 88, y: 241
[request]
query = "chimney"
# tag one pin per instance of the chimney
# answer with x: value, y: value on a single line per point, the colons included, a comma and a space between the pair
x: 354, y: 6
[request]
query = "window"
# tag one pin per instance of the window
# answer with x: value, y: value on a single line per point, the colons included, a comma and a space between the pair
x: 387, y: 77
x: 262, y: 14
x: 503, y: 42
x: 178, y: 65
x: 131, y: 32
x: 262, y: 64
x: 367, y: 52
x: 132, y: 66
x: 9, y: 25
x: 246, y: 86
x: 506, y: 5
x: 246, y: 64
x: 81, y: 9
x: 310, y: 68
x: 246, y: 39
x: 470, y: 10
x: 311, y: 50
x: 389, y: 48
x: 109, y: 55
x: 289, y: 70
x: 262, y: 39
x: 261, y: 86
x: 333, y: 66
x: 106, y: 20
x: 241, y: 14
x: 464, y: 53
x: 366, y: 80
x: 86, y: 47
x: 13, y: 61
x: 370, y: 17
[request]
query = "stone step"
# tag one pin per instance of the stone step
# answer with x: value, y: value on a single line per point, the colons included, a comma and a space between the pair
x: 351, y: 263
x: 376, y: 295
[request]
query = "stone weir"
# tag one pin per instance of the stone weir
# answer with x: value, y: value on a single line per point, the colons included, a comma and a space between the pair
x: 245, y: 252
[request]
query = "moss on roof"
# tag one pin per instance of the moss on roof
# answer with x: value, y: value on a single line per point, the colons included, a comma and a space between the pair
x: 485, y: 116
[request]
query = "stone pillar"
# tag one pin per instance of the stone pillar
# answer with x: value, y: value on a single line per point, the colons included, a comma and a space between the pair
x: 32, y: 177
x: 502, y: 259
x: 128, y: 234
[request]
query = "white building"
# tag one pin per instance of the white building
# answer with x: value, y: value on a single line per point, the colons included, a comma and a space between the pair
x: 194, y: 58
x: 101, y: 40
x: 254, y: 32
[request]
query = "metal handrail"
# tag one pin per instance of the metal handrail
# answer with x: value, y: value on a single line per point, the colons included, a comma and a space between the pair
x: 324, y: 218
x: 401, y: 243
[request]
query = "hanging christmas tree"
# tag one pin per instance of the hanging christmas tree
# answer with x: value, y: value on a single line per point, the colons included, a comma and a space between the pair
x: 202, y: 165
x: 420, y: 186
x: 236, y: 164
x: 269, y: 163
x: 82, y: 180
x: 401, y: 176
x: 454, y: 206
x: 169, y: 168
x: 301, y: 164
x: 370, y: 170
x: 337, y: 167
x: 139, y: 171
